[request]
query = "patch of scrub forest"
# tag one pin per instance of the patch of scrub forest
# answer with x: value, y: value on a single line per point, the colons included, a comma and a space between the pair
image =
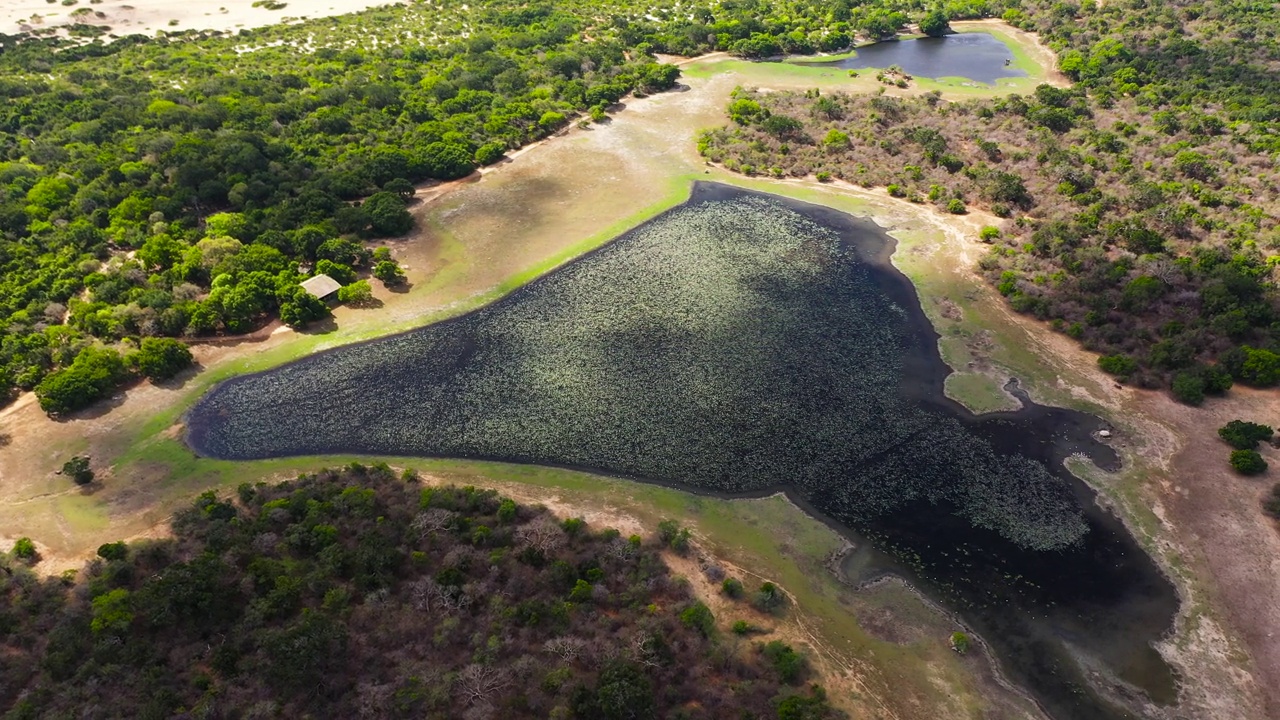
x: 184, y: 185
x: 1139, y: 206
x: 359, y: 592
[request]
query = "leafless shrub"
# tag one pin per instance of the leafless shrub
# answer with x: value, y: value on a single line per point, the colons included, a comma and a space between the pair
x: 568, y: 648
x: 543, y: 535
x: 477, y: 685
x: 432, y: 521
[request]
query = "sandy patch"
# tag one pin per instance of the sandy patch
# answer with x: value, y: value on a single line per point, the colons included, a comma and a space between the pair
x: 129, y: 17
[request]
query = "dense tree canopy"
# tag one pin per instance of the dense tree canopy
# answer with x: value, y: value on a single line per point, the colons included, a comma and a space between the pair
x: 184, y: 185
x: 358, y: 594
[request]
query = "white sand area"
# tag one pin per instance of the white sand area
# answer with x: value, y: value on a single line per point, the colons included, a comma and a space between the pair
x: 128, y: 17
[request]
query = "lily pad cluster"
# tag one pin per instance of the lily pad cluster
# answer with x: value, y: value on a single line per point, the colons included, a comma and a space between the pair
x: 735, y: 344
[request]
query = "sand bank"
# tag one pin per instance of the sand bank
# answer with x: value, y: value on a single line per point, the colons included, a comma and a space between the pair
x: 128, y: 17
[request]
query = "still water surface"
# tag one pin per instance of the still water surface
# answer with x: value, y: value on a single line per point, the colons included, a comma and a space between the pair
x: 977, y: 56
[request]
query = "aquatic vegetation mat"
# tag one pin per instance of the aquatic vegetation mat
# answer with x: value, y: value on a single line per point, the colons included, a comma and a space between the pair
x: 737, y: 344
x: 731, y: 344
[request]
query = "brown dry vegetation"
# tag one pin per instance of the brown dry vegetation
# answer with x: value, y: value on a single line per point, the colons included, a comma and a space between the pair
x: 1115, y: 232
x: 358, y: 593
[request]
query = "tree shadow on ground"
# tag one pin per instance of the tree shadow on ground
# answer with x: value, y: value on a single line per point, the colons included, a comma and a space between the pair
x: 91, y: 488
x: 320, y: 327
x: 97, y: 409
x: 177, y: 382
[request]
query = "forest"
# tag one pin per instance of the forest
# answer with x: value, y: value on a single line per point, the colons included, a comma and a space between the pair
x: 1138, y: 207
x: 360, y: 592
x: 178, y: 187
x: 183, y: 185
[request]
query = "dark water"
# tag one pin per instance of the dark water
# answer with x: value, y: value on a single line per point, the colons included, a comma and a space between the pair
x: 976, y: 56
x: 742, y: 343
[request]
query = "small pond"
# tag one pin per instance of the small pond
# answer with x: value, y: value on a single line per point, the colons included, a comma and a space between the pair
x: 980, y: 57
x: 740, y: 344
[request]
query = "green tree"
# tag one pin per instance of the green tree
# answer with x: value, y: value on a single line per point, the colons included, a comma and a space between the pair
x: 447, y: 161
x: 581, y: 592
x: 699, y: 617
x: 667, y: 531
x: 732, y: 587
x: 161, y: 358
x: 400, y: 187
x: 24, y: 549
x: 95, y: 372
x: 113, y: 551
x: 357, y: 293
x: 490, y: 153
x: 338, y: 271
x: 769, y: 598
x: 161, y: 251
x: 341, y: 250
x: 1243, y: 435
x: 389, y: 272
x: 960, y: 642
x: 77, y: 468
x: 229, y: 224
x: 935, y: 23
x: 836, y: 139
x: 788, y: 663
x: 1188, y: 388
x: 1248, y: 462
x: 387, y: 216
x: 1122, y: 366
x: 622, y: 692
x: 744, y: 111
x: 805, y: 707
x: 112, y: 612
x: 782, y: 126
x: 302, y: 308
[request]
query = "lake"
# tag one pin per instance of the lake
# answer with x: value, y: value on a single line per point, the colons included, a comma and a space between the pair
x: 739, y: 344
x: 977, y: 56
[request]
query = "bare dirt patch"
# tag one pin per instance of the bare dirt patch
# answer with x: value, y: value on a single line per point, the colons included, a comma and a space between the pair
x: 1226, y: 536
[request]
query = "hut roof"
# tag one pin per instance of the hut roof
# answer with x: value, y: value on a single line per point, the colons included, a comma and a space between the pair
x: 321, y: 286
